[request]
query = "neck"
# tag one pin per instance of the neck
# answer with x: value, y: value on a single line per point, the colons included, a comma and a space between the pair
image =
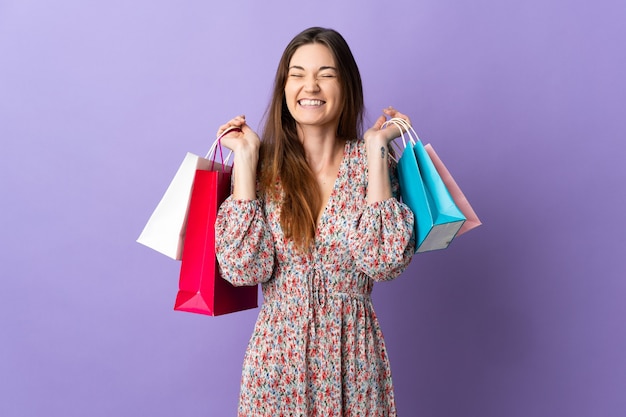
x: 322, y: 147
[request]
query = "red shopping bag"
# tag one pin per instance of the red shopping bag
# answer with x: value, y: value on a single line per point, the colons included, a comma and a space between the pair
x: 202, y: 289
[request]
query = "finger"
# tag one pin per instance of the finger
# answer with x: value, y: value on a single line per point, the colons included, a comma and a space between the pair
x: 228, y: 142
x: 397, y: 127
x: 237, y: 121
x: 390, y: 111
x: 222, y: 128
x: 395, y: 114
x: 378, y: 124
x: 403, y: 117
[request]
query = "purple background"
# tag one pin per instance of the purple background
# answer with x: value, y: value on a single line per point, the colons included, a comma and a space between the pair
x: 524, y: 101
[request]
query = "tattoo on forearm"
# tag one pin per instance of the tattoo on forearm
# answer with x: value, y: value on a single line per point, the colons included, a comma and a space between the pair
x: 382, y: 152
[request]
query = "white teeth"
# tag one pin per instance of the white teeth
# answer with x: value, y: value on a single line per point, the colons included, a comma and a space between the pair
x: 311, y: 102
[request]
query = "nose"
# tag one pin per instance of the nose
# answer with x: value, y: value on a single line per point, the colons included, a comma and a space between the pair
x: 311, y: 84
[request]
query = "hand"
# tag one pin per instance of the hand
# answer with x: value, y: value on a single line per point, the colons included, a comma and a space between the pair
x: 245, y: 141
x: 377, y: 141
x: 381, y: 135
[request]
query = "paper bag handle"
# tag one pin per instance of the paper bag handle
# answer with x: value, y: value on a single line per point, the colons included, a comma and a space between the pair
x: 212, y: 154
x: 404, y: 127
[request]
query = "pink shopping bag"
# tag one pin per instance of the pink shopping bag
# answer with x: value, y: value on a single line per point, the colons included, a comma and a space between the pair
x: 457, y: 195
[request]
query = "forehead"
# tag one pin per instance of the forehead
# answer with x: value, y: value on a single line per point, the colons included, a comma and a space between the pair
x: 312, y: 56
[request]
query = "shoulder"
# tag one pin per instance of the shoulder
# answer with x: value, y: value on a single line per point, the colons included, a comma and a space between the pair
x: 356, y: 159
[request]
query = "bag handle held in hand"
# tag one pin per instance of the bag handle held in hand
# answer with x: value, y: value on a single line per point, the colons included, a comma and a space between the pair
x: 408, y: 129
x: 218, y: 144
x: 404, y: 127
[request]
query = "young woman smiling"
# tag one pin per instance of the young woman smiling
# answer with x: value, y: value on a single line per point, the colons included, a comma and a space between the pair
x: 314, y: 218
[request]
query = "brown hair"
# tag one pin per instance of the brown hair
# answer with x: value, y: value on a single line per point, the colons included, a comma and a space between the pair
x: 282, y: 156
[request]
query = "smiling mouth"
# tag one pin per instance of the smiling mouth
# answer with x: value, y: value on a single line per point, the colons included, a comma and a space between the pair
x: 306, y: 102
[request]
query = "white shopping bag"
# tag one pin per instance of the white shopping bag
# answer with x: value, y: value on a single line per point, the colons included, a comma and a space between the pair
x: 165, y: 230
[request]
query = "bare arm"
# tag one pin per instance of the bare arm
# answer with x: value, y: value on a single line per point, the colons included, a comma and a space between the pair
x: 377, y: 147
x: 245, y: 145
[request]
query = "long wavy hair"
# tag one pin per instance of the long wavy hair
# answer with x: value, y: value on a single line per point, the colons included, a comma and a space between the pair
x: 282, y: 155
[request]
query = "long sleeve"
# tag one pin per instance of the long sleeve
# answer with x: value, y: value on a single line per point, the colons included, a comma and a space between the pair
x: 381, y: 237
x: 243, y: 242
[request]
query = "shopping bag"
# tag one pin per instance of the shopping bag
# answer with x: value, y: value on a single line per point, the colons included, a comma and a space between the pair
x: 437, y: 217
x: 201, y: 288
x: 165, y: 230
x: 472, y: 221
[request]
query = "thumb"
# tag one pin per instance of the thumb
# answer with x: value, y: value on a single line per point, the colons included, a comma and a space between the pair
x: 379, y: 122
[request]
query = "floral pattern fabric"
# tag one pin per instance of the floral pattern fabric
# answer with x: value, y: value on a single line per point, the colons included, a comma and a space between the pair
x: 317, y: 348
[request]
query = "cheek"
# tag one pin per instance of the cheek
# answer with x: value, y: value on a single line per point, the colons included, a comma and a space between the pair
x: 335, y: 90
x: 289, y: 99
x: 338, y: 96
x: 290, y: 93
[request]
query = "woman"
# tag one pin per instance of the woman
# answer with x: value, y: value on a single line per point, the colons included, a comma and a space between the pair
x: 314, y: 217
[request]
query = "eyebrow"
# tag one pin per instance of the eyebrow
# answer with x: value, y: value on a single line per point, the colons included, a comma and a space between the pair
x: 326, y: 67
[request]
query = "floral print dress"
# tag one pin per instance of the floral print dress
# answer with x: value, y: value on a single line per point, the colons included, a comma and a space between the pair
x: 317, y: 348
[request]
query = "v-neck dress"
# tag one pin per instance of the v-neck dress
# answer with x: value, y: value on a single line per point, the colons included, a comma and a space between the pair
x: 317, y: 348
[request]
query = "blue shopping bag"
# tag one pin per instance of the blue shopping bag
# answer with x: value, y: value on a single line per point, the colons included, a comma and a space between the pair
x: 437, y: 217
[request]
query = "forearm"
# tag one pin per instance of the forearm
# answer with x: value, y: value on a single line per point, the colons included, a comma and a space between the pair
x: 244, y: 175
x: 244, y: 142
x: 379, y: 183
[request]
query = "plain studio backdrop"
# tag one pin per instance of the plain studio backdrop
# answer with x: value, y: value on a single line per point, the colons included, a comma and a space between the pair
x: 523, y: 100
